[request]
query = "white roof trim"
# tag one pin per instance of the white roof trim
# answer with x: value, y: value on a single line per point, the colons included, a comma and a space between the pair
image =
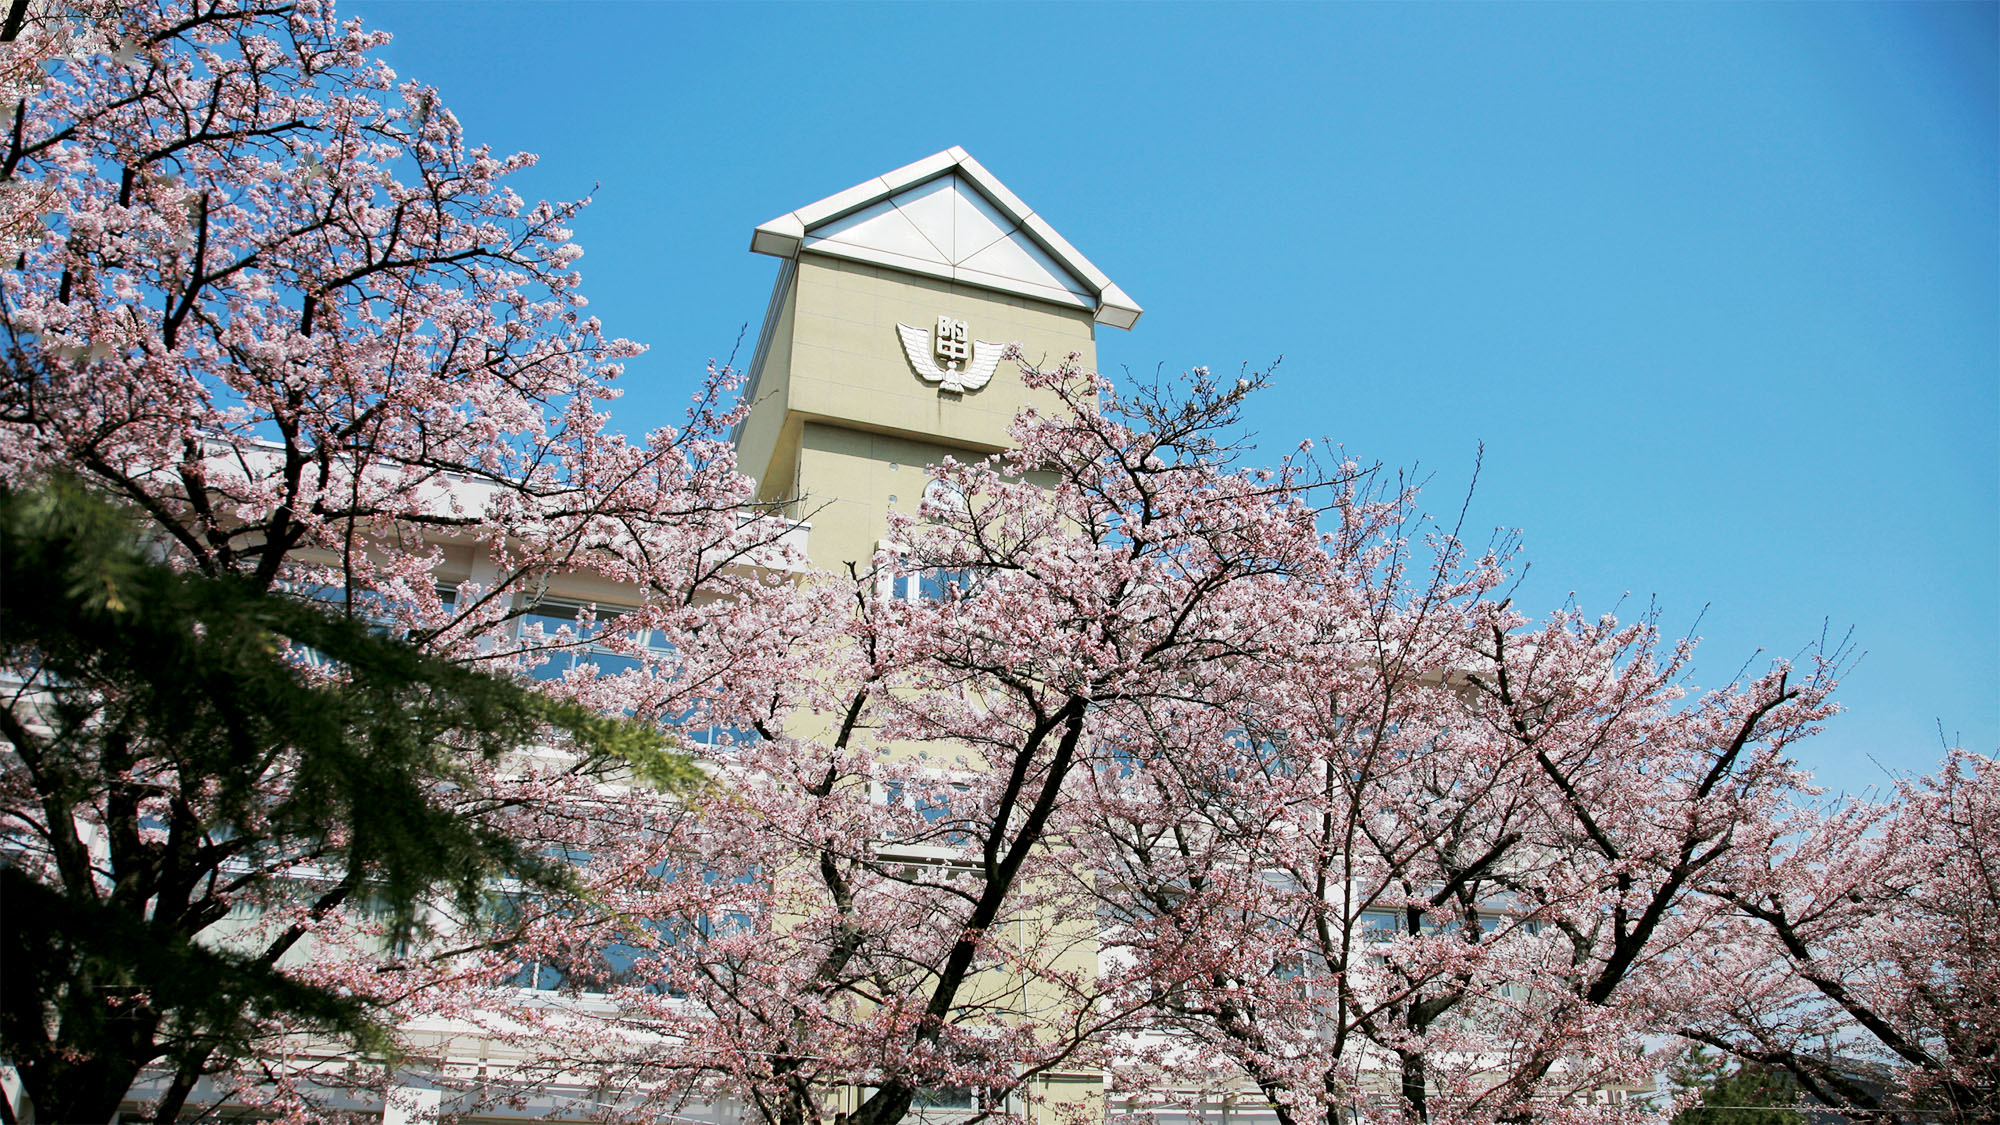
x: 788, y: 234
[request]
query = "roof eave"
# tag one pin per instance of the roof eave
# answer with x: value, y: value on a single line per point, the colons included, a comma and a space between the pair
x: 784, y: 236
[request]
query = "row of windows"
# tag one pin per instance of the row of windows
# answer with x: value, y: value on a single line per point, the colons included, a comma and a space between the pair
x: 619, y: 963
x: 551, y: 616
x: 614, y: 964
x: 586, y: 649
x: 1380, y: 925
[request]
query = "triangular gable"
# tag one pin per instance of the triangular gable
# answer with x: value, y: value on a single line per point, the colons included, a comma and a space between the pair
x: 945, y: 216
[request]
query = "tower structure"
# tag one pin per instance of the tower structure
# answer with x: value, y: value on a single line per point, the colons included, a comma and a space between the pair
x: 880, y: 349
x: 880, y: 354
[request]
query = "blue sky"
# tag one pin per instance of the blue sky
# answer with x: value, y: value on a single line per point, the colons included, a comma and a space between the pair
x: 1717, y: 285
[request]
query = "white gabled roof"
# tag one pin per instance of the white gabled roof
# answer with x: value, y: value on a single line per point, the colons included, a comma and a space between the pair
x: 947, y: 217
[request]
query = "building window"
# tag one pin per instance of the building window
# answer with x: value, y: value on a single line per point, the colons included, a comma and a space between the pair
x: 1378, y: 925
x: 937, y: 823
x: 555, y: 628
x: 946, y: 1097
x: 702, y: 731
x: 913, y: 583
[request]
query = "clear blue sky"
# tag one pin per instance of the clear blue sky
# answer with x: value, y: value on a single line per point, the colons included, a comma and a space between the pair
x: 1718, y: 286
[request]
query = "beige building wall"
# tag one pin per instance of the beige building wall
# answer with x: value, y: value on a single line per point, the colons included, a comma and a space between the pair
x: 843, y: 426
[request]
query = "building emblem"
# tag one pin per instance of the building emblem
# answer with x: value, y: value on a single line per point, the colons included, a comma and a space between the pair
x: 948, y: 355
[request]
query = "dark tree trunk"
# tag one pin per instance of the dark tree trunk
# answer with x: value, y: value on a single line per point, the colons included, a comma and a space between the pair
x: 1415, y: 1083
x: 78, y: 1091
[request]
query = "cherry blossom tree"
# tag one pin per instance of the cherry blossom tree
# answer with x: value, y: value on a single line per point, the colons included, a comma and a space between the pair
x: 1858, y: 951
x: 1432, y: 869
x: 286, y: 311
x: 897, y: 900
x: 1647, y: 793
x: 169, y: 759
x: 264, y: 294
x: 1268, y: 860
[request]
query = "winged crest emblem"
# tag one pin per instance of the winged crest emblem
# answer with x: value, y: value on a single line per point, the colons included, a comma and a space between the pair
x: 948, y: 357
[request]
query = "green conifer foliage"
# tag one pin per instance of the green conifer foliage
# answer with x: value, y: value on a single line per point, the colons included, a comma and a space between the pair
x: 1737, y: 1093
x: 177, y: 744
